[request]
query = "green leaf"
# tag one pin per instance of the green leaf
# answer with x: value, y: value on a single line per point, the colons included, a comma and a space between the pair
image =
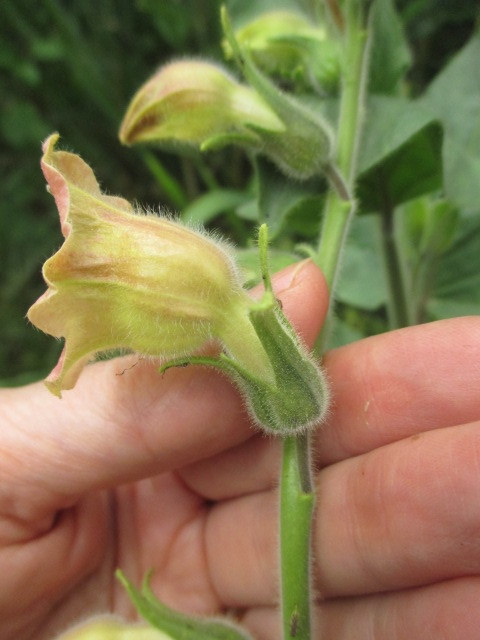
x: 454, y: 98
x: 390, y: 57
x: 250, y: 265
x: 243, y: 11
x: 362, y: 282
x: 457, y: 285
x: 172, y: 23
x: 430, y: 225
x: 400, y: 156
x: 280, y: 197
x: 178, y: 625
x: 342, y: 333
x: 209, y: 205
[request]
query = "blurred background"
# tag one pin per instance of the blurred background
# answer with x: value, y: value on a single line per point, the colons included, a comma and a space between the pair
x: 72, y: 66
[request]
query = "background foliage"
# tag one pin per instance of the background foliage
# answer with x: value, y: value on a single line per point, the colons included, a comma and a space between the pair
x: 73, y: 66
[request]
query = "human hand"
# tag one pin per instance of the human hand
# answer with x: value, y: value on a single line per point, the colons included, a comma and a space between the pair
x: 94, y: 482
x: 397, y: 537
x: 165, y: 473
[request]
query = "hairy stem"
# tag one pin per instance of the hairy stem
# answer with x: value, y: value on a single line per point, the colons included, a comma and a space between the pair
x: 297, y: 492
x: 296, y: 505
x: 339, y: 208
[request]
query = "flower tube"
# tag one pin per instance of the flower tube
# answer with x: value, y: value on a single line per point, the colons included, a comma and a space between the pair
x: 133, y: 281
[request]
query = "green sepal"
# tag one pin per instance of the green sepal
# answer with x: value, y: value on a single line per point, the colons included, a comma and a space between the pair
x: 178, y: 625
x: 304, y: 149
x: 224, y: 139
x: 301, y: 393
x: 298, y: 397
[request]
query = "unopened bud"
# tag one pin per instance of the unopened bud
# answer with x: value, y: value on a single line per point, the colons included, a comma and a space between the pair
x: 191, y: 101
x: 111, y: 628
x: 285, y: 43
x: 304, y: 148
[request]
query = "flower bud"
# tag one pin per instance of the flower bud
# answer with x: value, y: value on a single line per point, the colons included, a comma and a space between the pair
x: 285, y: 43
x: 191, y: 101
x: 133, y: 281
x: 110, y: 628
x: 304, y: 148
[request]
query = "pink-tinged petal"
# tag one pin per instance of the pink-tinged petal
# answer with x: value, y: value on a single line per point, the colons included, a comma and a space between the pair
x: 64, y: 376
x: 57, y: 167
x: 129, y: 281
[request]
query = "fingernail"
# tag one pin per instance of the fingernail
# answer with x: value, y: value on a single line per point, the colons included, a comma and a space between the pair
x: 286, y: 278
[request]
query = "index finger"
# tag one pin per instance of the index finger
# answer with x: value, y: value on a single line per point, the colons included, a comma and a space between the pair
x: 397, y: 384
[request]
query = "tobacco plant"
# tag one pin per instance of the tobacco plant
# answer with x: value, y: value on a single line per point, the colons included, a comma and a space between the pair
x: 314, y: 94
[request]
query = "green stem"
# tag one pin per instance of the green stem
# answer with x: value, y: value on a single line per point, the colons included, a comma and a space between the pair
x: 170, y: 186
x: 416, y: 275
x: 397, y: 307
x: 296, y: 509
x: 423, y: 277
x: 354, y: 74
x: 338, y: 209
x: 297, y: 493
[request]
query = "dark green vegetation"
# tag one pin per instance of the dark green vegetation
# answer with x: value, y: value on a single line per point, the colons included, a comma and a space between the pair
x: 72, y: 67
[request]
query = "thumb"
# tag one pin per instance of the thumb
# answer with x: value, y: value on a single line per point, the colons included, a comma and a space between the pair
x: 124, y: 421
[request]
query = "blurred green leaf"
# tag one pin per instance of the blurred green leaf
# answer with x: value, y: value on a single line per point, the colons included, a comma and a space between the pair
x: 457, y: 285
x: 362, y: 282
x: 184, y: 26
x: 280, y: 197
x: 250, y: 265
x: 430, y: 225
x: 21, y: 123
x: 343, y: 333
x: 400, y: 156
x: 209, y: 205
x: 454, y: 98
x: 390, y: 56
x: 170, y: 20
x: 242, y: 11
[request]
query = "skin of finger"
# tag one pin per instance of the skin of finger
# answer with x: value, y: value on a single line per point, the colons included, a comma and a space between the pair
x: 242, y: 550
x: 37, y: 576
x: 120, y: 424
x: 384, y: 389
x: 247, y: 468
x: 444, y: 611
x: 402, y: 516
x: 397, y: 384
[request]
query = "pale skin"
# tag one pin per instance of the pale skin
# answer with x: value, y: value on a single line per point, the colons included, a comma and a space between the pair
x: 137, y: 471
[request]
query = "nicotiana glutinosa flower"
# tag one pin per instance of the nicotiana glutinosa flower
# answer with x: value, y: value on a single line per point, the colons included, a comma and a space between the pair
x: 123, y: 279
x: 126, y: 280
